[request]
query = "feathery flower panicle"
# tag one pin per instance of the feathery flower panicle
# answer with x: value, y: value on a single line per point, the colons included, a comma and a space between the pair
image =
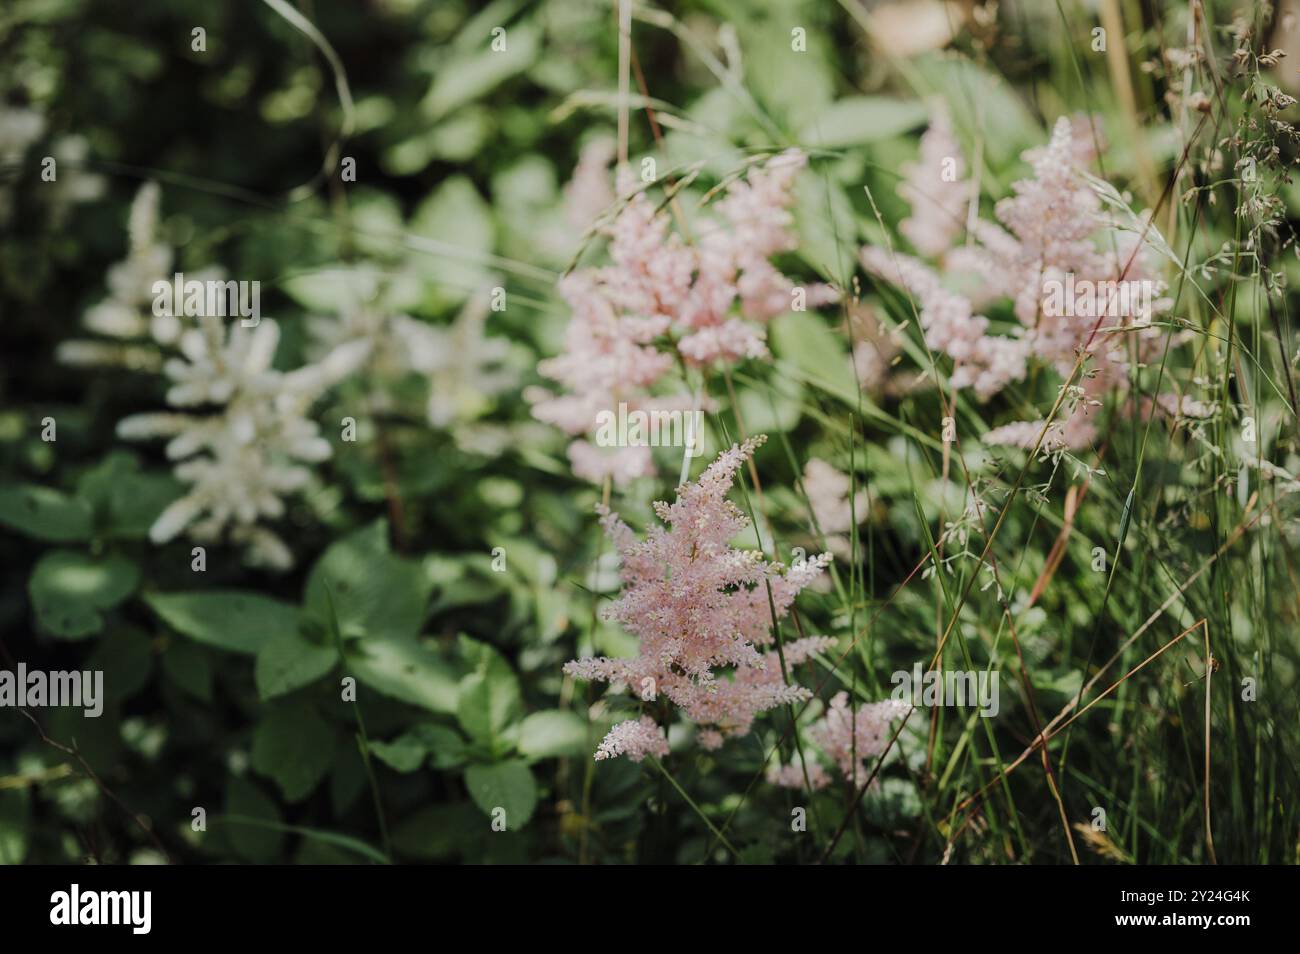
x: 239, y: 431
x: 1075, y: 430
x: 937, y: 190
x: 700, y: 609
x: 588, y: 193
x: 246, y: 453
x: 1052, y: 229
x: 461, y: 365
x: 20, y: 129
x: 662, y: 301
x: 983, y: 362
x: 792, y: 775
x: 136, y: 336
x: 828, y: 496
x: 851, y: 737
x: 635, y: 738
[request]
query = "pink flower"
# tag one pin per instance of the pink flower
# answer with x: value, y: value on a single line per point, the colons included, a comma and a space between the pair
x: 792, y: 775
x: 1053, y: 232
x: 662, y: 301
x: 828, y: 496
x: 635, y: 738
x: 588, y: 193
x: 1073, y: 432
x: 701, y: 608
x: 935, y: 189
x: 853, y: 737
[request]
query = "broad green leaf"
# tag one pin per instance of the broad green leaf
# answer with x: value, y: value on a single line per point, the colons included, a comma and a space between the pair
x: 506, y: 785
x: 857, y: 120
x: 827, y: 226
x: 125, y: 656
x: 186, y: 664
x: 313, y: 836
x: 405, y: 670
x: 552, y: 733
x: 467, y: 76
x: 126, y: 500
x: 404, y: 754
x: 438, y: 831
x: 457, y: 217
x: 347, y: 776
x: 234, y: 620
x: 790, y: 84
x: 376, y: 594
x: 984, y: 105
x: 289, y: 662
x: 771, y: 412
x: 295, y: 747
x: 69, y: 589
x: 44, y: 513
x: 805, y: 340
x: 445, y: 746
x: 489, y: 699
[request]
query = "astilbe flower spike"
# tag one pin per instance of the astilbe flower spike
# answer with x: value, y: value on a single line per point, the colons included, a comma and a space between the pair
x: 1052, y: 227
x: 239, y: 431
x: 701, y: 611
x: 662, y: 302
x: 848, y: 736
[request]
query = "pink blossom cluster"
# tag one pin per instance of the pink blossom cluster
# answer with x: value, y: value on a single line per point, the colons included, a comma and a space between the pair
x: 835, y: 514
x: 1051, y: 228
x: 662, y: 301
x: 935, y: 189
x: 851, y: 737
x: 701, y: 611
x: 635, y: 738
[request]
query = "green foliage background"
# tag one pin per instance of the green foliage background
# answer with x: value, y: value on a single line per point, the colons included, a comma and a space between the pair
x: 224, y: 687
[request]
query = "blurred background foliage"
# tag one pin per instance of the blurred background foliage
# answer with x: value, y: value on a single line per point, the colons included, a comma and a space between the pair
x: 224, y: 688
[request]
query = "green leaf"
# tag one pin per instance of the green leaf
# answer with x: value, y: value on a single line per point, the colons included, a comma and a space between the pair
x: 446, y: 748
x: 468, y: 76
x: 69, y: 589
x: 404, y: 669
x: 125, y: 500
x: 404, y: 754
x: 805, y: 340
x: 1002, y: 119
x: 456, y: 216
x: 235, y: 620
x: 555, y: 732
x: 289, y: 662
x: 488, y: 699
x: 186, y: 664
x: 377, y: 595
x: 856, y: 120
x: 507, y: 785
x: 295, y: 747
x: 125, y: 656
x: 44, y: 513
